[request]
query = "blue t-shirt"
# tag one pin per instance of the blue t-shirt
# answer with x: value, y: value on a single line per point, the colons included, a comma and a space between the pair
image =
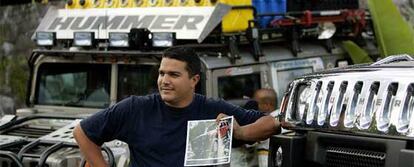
x: 156, y: 133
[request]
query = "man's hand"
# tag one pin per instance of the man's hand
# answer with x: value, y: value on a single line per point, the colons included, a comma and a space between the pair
x: 237, y: 130
x: 262, y: 129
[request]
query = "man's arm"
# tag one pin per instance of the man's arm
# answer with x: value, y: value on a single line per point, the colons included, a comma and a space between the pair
x: 89, y: 149
x: 262, y: 129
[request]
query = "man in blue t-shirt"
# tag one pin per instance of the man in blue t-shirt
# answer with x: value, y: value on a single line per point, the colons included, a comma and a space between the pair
x: 155, y: 126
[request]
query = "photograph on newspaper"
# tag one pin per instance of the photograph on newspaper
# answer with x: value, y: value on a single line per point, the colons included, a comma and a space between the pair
x: 209, y: 142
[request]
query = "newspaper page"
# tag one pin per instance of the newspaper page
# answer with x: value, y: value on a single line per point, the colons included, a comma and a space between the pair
x: 209, y: 142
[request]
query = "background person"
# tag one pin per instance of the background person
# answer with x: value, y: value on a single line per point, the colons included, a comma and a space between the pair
x: 267, y: 100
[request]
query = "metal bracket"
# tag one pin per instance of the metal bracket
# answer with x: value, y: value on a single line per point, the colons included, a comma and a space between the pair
x: 254, y: 36
x: 234, y: 50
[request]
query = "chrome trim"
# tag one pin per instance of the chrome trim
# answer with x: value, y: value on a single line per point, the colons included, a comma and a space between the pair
x: 379, y: 101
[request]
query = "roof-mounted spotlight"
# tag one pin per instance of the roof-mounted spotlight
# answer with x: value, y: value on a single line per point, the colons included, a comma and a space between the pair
x: 118, y: 39
x: 163, y: 39
x: 83, y: 38
x: 82, y: 2
x: 45, y: 38
x: 70, y: 2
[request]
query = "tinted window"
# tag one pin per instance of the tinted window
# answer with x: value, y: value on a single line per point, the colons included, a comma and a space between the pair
x: 238, y: 87
x: 137, y: 80
x: 79, y: 85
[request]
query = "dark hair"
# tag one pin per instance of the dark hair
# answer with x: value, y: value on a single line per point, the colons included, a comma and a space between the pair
x: 187, y: 55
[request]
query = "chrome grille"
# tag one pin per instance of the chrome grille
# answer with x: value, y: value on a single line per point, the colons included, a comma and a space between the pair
x: 375, y: 101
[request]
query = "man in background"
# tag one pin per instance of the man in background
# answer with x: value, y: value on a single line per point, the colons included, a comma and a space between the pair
x: 255, y: 154
x: 267, y: 100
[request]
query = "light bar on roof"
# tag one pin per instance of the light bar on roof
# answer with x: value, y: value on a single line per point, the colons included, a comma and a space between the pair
x: 163, y: 39
x: 45, y: 38
x: 83, y: 38
x: 118, y: 39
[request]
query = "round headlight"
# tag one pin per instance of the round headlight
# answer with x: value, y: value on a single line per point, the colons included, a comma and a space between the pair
x: 279, y: 157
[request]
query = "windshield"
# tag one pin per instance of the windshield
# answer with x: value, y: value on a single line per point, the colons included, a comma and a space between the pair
x: 77, y: 85
x: 137, y: 80
x: 238, y: 87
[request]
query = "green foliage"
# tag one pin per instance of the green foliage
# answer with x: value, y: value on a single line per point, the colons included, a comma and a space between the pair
x: 394, y: 35
x: 18, y: 81
x: 16, y: 29
x: 16, y: 72
x: 357, y: 54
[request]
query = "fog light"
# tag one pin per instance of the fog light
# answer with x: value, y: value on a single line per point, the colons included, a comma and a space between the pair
x: 45, y: 38
x: 118, y: 39
x: 153, y: 3
x: 138, y: 3
x: 163, y: 39
x: 279, y: 157
x: 83, y: 38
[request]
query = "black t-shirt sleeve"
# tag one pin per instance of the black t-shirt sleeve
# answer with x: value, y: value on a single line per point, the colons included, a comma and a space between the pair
x: 242, y: 116
x: 107, y: 125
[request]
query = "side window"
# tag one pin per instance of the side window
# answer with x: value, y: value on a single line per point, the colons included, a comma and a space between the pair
x: 77, y: 85
x: 284, y: 77
x: 238, y: 87
x: 284, y: 72
x: 62, y: 85
x: 136, y: 80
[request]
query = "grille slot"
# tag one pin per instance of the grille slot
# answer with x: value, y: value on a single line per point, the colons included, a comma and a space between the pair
x: 26, y: 131
x: 347, y: 157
